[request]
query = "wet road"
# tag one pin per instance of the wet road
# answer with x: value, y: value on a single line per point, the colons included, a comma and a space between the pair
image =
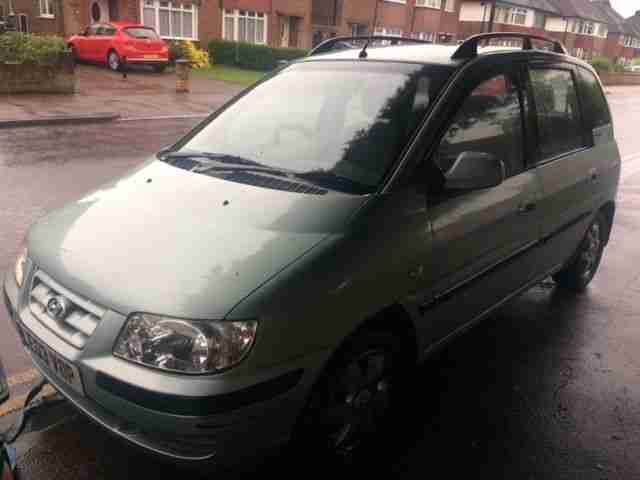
x: 549, y: 387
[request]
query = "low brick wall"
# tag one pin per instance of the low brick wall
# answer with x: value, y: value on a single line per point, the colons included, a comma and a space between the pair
x: 58, y: 77
x: 620, y: 78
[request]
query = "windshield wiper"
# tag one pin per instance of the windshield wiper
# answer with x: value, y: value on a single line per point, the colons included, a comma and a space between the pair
x: 334, y: 181
x: 216, y: 157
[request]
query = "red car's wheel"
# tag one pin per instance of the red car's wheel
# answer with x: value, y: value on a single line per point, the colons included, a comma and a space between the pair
x: 113, y: 60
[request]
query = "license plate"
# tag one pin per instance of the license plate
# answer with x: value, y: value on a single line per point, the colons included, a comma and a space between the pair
x: 150, y: 56
x: 54, y: 362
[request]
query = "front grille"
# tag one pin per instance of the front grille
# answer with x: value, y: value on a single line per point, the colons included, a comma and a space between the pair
x: 76, y: 323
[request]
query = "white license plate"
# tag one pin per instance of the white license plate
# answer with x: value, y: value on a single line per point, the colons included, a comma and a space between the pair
x: 149, y: 57
x: 61, y: 368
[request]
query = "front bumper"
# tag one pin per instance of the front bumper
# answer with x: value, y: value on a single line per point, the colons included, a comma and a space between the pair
x: 189, y: 419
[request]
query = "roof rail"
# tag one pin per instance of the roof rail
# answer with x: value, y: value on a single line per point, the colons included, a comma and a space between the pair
x: 346, y: 43
x: 469, y: 48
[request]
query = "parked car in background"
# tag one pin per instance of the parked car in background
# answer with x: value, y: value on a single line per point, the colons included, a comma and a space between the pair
x: 117, y: 42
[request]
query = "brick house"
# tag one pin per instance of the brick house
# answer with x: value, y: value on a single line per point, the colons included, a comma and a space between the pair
x: 580, y: 26
x: 622, y: 38
x: 633, y: 23
x: 525, y: 16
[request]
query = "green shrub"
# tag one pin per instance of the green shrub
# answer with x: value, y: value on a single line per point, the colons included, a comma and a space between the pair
x: 602, y: 64
x: 635, y: 61
x: 619, y: 68
x: 250, y: 56
x: 24, y: 47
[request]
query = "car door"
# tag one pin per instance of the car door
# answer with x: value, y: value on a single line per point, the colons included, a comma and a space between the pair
x: 566, y: 166
x: 483, y: 242
x: 83, y: 43
x: 104, y: 40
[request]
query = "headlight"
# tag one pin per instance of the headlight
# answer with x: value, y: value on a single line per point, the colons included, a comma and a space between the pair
x: 20, y: 267
x: 186, y: 346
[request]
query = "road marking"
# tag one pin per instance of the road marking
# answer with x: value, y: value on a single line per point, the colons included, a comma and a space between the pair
x: 23, y: 377
x: 16, y: 403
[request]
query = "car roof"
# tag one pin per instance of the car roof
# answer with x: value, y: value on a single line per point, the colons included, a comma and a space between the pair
x: 125, y: 24
x: 420, y: 53
x: 429, y: 54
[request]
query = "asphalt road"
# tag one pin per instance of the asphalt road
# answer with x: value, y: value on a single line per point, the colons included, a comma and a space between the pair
x: 549, y: 387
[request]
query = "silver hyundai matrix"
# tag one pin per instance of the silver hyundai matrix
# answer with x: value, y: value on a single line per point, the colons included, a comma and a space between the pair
x: 274, y: 273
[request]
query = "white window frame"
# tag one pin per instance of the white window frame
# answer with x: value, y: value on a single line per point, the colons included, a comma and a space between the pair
x: 508, y: 15
x: 46, y: 9
x: 403, y: 2
x: 236, y: 15
x: 450, y: 5
x: 389, y: 31
x: 172, y: 7
x: 424, y: 36
x: 602, y: 30
x: 437, y: 4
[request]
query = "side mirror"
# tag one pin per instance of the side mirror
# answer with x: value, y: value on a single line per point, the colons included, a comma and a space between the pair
x: 475, y: 171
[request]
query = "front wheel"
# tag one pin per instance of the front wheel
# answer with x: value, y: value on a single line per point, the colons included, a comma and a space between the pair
x: 113, y: 61
x: 352, y: 403
x: 579, y: 273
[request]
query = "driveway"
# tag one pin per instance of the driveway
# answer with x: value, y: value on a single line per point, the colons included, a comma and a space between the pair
x: 142, y: 94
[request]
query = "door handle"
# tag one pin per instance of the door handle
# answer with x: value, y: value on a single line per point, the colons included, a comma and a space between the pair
x: 526, y: 207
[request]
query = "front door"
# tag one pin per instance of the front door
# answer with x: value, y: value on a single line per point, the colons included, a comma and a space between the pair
x: 483, y: 241
x: 99, y: 11
x: 285, y: 31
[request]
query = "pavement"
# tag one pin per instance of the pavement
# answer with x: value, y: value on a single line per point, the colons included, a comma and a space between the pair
x: 101, y: 92
x: 547, y: 388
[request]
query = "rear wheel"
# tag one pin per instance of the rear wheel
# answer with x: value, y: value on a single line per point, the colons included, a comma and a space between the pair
x: 352, y: 403
x: 579, y: 273
x: 113, y: 60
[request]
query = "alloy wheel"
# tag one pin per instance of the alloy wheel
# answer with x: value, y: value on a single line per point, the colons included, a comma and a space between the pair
x: 591, y: 251
x: 114, y: 61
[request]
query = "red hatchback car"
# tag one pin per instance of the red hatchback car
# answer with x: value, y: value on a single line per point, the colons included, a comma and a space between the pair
x: 115, y: 42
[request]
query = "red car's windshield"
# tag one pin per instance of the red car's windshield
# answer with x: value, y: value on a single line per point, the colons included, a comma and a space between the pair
x: 141, y: 32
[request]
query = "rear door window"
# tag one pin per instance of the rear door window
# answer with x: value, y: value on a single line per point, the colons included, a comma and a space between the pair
x: 595, y: 107
x: 558, y: 119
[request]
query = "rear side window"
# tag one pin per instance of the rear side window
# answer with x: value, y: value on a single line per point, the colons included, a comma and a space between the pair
x: 141, y: 32
x: 594, y: 104
x: 557, y: 113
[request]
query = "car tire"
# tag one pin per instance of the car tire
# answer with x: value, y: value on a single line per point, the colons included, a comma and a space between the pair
x: 577, y: 275
x: 354, y: 400
x: 113, y: 60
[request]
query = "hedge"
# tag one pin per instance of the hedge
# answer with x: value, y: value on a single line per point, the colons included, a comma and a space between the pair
x: 24, y: 47
x: 253, y: 57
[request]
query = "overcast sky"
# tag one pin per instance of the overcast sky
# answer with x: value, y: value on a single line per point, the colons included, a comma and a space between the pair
x: 626, y: 7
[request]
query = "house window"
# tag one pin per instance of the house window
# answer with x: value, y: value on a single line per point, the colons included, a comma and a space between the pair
x: 358, y: 30
x: 46, y: 9
x: 602, y: 30
x: 171, y: 20
x: 424, y: 36
x: 540, y: 20
x: 244, y: 26
x: 587, y: 28
x: 513, y: 16
x: 390, y: 32
x: 429, y: 3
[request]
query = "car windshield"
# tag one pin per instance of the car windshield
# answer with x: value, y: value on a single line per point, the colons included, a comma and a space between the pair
x: 141, y: 32
x: 325, y: 119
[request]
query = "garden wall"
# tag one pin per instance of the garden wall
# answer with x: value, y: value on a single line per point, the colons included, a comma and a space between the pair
x: 58, y: 77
